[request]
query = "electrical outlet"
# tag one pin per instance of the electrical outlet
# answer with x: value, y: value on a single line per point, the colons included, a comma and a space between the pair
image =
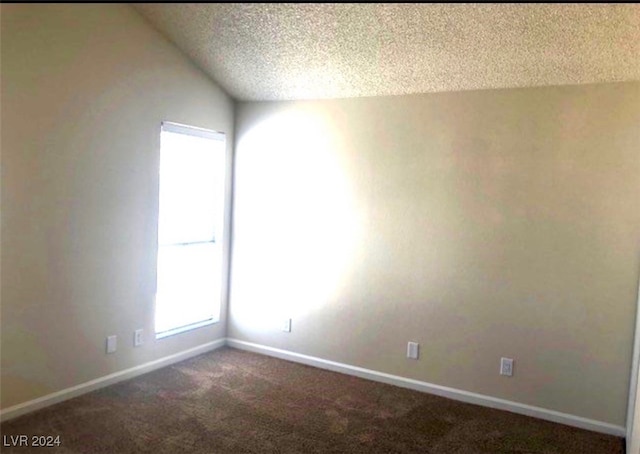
x: 506, y: 367
x: 137, y: 338
x: 413, y: 350
x: 286, y: 326
x: 112, y: 344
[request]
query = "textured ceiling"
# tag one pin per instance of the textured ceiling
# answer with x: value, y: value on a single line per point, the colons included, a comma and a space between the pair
x: 302, y: 51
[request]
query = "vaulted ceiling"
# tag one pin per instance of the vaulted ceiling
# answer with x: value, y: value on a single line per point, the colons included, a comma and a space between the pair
x: 302, y: 51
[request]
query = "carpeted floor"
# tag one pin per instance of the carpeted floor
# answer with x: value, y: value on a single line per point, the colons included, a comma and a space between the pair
x: 229, y: 401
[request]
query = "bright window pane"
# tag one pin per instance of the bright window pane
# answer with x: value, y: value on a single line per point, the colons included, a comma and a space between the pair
x: 190, y: 172
x: 188, y: 285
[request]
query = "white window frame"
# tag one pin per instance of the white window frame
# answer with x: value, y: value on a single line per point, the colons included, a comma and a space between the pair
x: 217, y: 237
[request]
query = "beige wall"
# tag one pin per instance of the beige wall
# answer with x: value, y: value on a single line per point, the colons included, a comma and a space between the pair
x: 480, y: 224
x: 84, y: 89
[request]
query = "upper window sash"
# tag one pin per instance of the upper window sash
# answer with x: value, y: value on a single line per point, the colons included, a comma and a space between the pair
x: 191, y: 171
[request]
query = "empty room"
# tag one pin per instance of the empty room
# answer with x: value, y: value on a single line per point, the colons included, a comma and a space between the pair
x: 319, y: 228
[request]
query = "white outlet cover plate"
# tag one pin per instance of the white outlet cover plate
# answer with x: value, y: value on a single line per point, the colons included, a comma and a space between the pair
x: 506, y: 367
x: 413, y: 349
x: 112, y: 344
x: 137, y: 338
x: 286, y: 327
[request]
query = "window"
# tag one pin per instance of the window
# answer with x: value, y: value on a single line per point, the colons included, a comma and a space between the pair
x: 190, y: 228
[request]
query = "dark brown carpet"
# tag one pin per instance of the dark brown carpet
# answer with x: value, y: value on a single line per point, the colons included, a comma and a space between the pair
x: 230, y: 401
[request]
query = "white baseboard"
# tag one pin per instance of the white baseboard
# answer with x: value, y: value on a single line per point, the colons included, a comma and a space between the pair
x: 83, y: 388
x: 451, y: 393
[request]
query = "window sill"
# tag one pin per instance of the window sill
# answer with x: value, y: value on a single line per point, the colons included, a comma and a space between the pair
x: 184, y: 329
